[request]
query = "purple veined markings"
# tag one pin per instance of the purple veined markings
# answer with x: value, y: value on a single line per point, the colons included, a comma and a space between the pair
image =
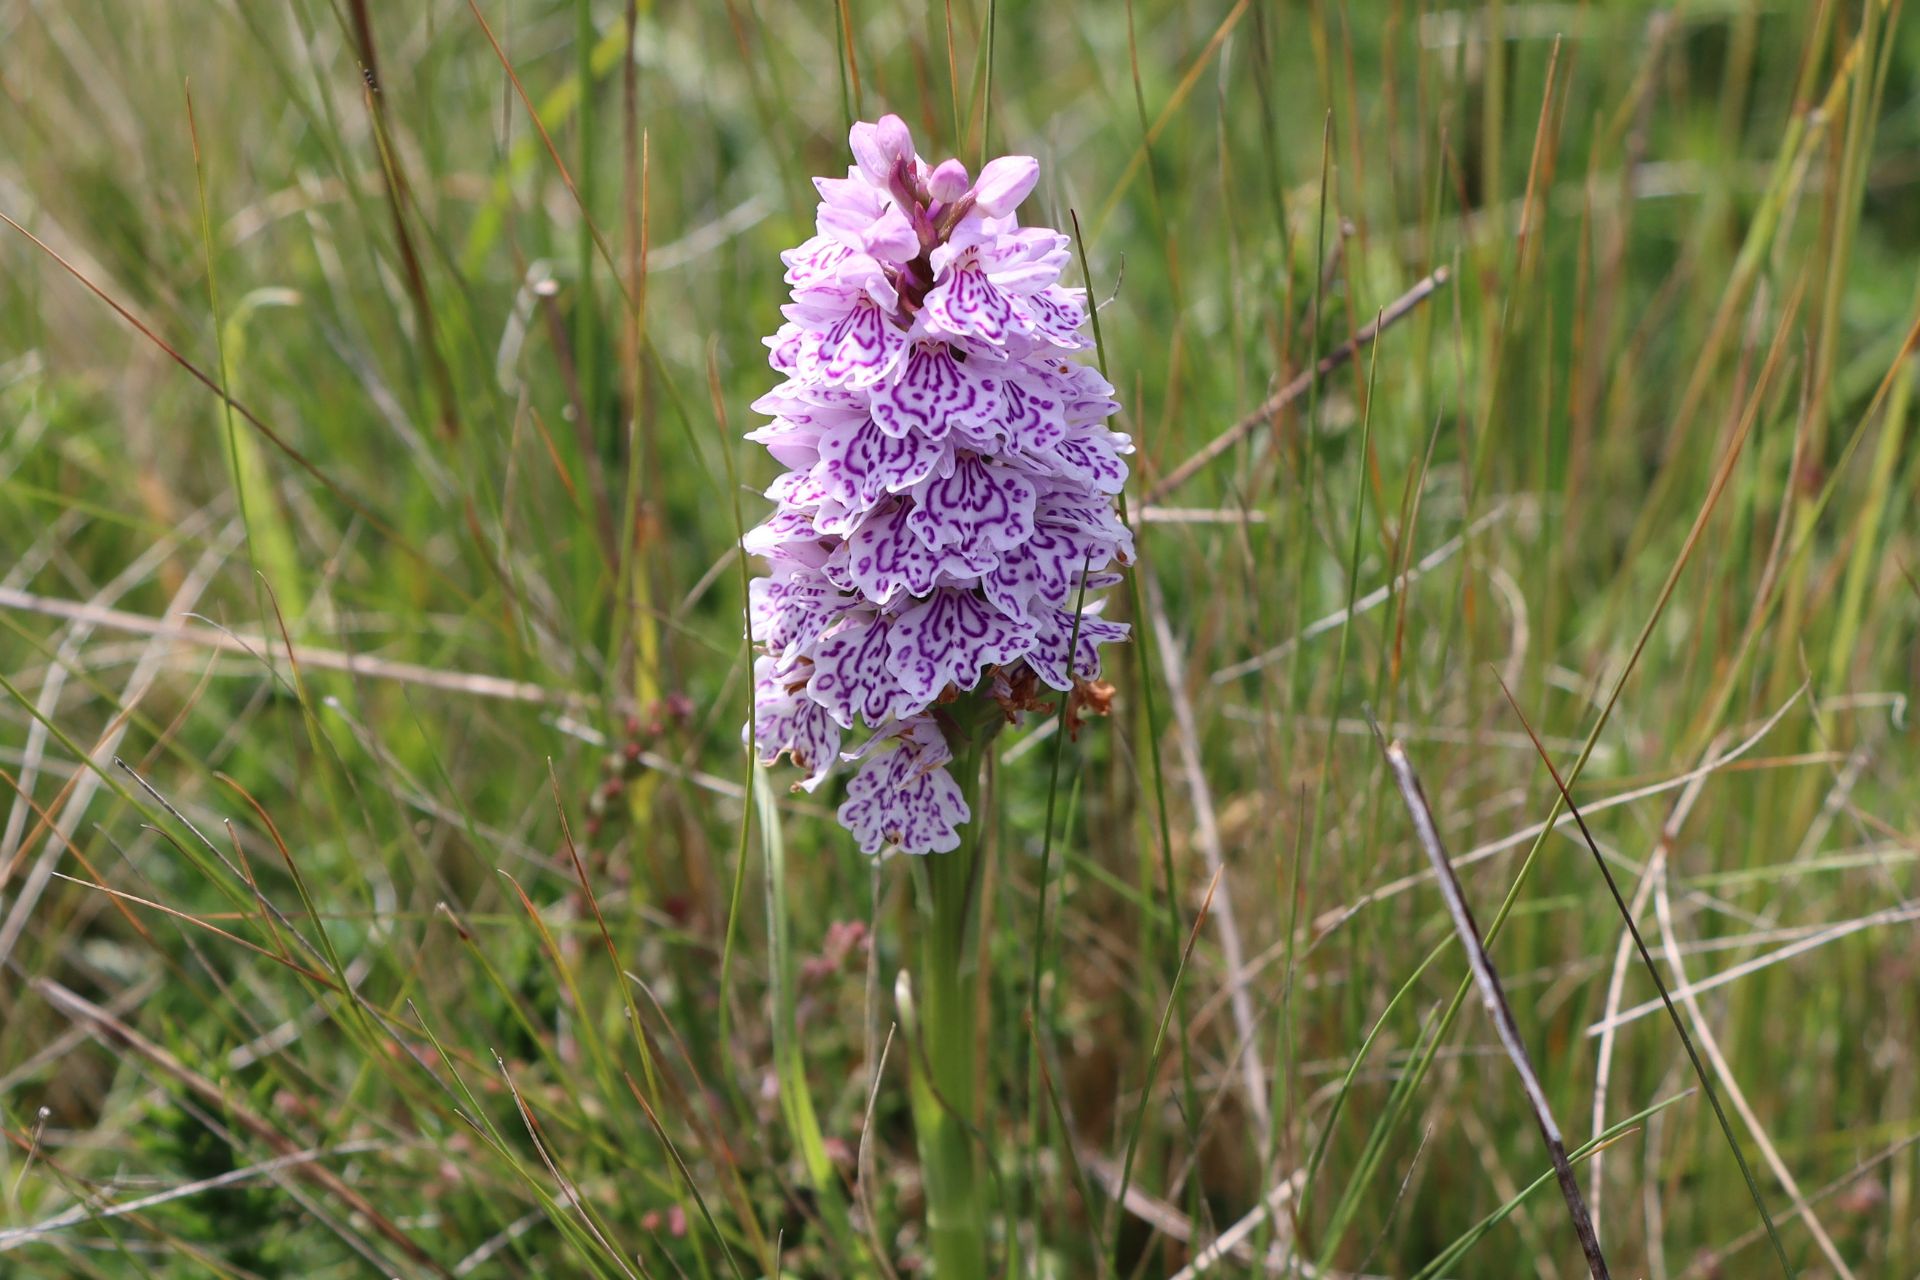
x: 949, y: 639
x: 853, y: 674
x: 785, y: 722
x: 884, y: 558
x: 834, y: 520
x: 860, y: 347
x: 810, y: 404
x: 979, y: 505
x: 1062, y: 510
x: 1057, y: 315
x: 816, y: 261
x: 967, y: 304
x: 1054, y: 630
x: 787, y: 525
x: 1086, y: 396
x: 798, y: 488
x: 786, y: 615
x: 860, y: 464
x: 1044, y: 568
x: 1034, y: 419
x: 903, y: 795
x: 948, y: 487
x: 1088, y: 457
x: 792, y: 348
x: 933, y: 393
x: 825, y: 271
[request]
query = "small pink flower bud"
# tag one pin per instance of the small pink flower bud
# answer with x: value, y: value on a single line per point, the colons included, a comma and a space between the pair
x: 948, y: 182
x: 878, y: 147
x: 1004, y: 183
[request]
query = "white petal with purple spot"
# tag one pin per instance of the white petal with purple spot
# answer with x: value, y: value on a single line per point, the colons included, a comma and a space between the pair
x: 949, y: 639
x: 981, y: 505
x: 853, y: 674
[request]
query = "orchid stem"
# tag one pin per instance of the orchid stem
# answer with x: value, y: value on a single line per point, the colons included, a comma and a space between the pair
x: 944, y: 1071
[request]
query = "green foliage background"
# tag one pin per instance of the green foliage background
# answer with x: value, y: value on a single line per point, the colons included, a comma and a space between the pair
x: 317, y: 955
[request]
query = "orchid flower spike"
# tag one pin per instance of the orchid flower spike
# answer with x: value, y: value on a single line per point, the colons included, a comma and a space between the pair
x: 948, y: 489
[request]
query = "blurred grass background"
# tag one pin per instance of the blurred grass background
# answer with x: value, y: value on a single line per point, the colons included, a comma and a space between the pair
x: 322, y: 705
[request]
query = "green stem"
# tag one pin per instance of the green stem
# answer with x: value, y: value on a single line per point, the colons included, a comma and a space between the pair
x: 946, y: 1061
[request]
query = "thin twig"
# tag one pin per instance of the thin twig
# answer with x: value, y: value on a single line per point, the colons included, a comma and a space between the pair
x: 1231, y: 1242
x: 1688, y: 990
x: 1207, y: 835
x: 1394, y: 312
x: 16, y: 1236
x: 206, y: 637
x: 1373, y: 599
x: 1488, y: 981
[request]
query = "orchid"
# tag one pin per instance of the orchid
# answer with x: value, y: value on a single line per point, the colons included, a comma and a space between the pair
x: 948, y: 489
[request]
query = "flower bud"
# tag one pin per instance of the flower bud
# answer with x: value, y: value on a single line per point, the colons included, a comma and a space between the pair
x: 1004, y: 183
x: 948, y: 181
x: 877, y: 148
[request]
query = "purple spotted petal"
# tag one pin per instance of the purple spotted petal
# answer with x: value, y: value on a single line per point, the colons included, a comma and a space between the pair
x: 931, y: 392
x: 849, y: 274
x: 1057, y: 315
x: 797, y: 489
x: 1033, y: 417
x: 1044, y: 568
x: 784, y: 722
x: 967, y: 304
x: 901, y: 800
x: 1086, y: 395
x: 835, y: 570
x: 979, y: 505
x: 792, y: 348
x: 950, y: 639
x: 918, y: 735
x: 1054, y: 630
x: 786, y: 615
x: 1089, y: 516
x: 1025, y: 262
x: 885, y: 559
x: 1087, y: 457
x: 812, y: 406
x: 834, y: 520
x: 815, y: 262
x: 860, y: 463
x: 853, y: 674
x: 860, y: 347
x: 785, y: 526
